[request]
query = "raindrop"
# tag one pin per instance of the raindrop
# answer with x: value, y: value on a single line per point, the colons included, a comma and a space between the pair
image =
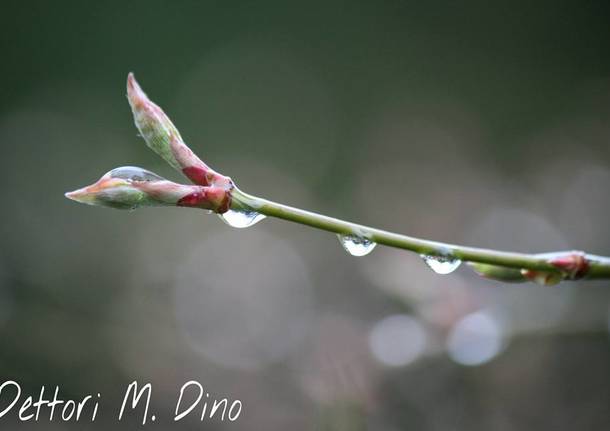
x: 241, y: 219
x: 133, y: 173
x: 441, y: 264
x: 356, y: 245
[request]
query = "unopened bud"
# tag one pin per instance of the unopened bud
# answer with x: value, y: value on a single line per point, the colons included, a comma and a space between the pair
x: 163, y: 138
x: 573, y: 264
x: 132, y: 187
x: 543, y: 278
x: 497, y: 272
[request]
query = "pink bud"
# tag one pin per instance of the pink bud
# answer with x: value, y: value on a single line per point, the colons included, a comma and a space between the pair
x: 132, y: 187
x: 573, y: 264
x: 162, y: 137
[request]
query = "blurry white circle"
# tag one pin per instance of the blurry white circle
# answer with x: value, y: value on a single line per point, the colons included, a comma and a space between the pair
x: 397, y: 340
x: 475, y: 339
x: 244, y: 299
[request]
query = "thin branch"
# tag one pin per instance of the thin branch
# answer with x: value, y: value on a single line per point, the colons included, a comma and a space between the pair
x: 598, y: 266
x: 131, y: 187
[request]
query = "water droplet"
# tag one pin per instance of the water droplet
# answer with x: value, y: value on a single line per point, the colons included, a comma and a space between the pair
x: 241, y: 219
x: 356, y: 245
x: 134, y: 173
x: 441, y: 264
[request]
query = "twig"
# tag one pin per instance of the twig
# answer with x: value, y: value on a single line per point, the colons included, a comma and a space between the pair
x: 598, y: 266
x: 135, y: 187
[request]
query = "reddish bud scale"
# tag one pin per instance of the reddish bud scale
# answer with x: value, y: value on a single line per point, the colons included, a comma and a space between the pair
x: 225, y: 205
x: 222, y: 196
x: 207, y: 197
x: 193, y: 200
x: 197, y: 175
x: 194, y: 168
x: 574, y: 265
x: 159, y: 190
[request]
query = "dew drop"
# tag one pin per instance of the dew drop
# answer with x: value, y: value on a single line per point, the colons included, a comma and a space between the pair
x: 241, y: 219
x: 441, y: 264
x: 134, y: 173
x: 356, y: 245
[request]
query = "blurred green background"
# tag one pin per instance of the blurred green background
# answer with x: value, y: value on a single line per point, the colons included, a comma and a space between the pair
x: 485, y: 123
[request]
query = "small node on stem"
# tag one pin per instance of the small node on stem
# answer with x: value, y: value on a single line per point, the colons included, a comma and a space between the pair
x: 542, y: 278
x: 573, y: 264
x: 499, y: 273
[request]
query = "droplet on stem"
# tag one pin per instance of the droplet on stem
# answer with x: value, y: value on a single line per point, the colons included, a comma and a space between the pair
x: 241, y: 219
x: 134, y: 173
x: 356, y: 245
x: 441, y: 264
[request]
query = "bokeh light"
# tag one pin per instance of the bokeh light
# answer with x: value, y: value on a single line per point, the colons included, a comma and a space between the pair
x: 475, y: 339
x: 244, y: 305
x: 397, y: 340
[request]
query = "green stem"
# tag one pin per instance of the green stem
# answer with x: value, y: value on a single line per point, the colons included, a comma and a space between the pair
x: 599, y: 267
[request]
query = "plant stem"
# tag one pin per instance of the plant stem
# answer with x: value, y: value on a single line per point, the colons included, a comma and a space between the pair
x: 599, y: 267
x: 162, y: 137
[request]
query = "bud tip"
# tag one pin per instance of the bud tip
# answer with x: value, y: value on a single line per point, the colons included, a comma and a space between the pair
x: 135, y: 94
x: 77, y: 195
